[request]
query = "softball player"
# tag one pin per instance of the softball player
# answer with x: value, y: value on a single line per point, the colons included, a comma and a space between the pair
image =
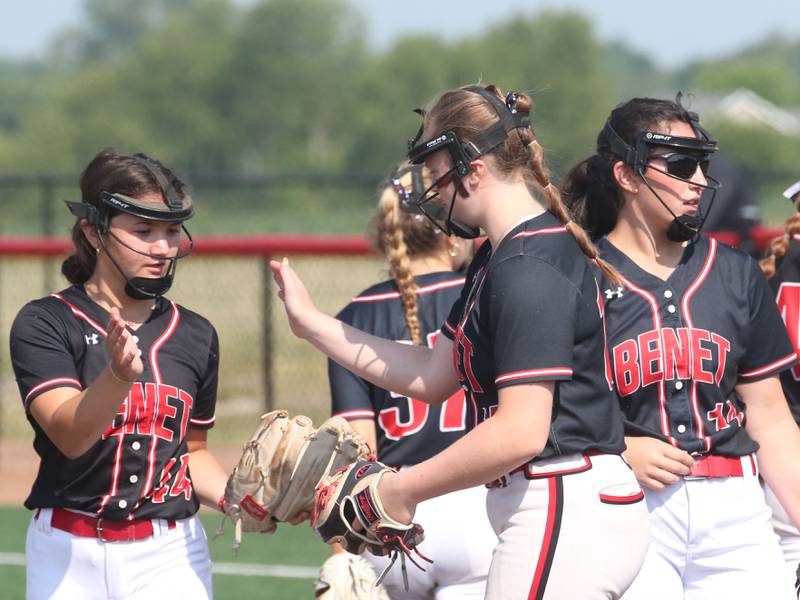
x: 119, y: 385
x: 782, y: 268
x: 525, y: 342
x: 696, y: 346
x: 410, y: 307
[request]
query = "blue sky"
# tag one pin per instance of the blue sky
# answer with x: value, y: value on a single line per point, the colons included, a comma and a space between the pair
x: 671, y: 32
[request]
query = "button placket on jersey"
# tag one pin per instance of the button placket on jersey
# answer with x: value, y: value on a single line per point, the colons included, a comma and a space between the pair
x: 679, y: 407
x: 135, y: 466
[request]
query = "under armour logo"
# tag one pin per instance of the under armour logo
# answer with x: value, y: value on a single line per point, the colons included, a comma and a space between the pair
x: 613, y: 293
x: 91, y: 339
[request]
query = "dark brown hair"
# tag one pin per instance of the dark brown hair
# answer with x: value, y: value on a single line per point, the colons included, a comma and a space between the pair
x: 590, y: 190
x: 108, y: 171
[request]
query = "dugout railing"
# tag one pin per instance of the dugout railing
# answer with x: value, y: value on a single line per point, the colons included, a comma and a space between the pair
x: 228, y: 280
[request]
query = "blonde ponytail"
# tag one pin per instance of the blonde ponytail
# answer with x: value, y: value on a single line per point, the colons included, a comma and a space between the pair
x: 394, y: 246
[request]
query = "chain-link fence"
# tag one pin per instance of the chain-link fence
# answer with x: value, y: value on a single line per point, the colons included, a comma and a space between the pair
x: 262, y: 364
x: 226, y: 203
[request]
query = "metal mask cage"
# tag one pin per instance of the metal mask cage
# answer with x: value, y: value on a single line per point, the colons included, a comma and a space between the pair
x: 462, y: 154
x: 408, y: 196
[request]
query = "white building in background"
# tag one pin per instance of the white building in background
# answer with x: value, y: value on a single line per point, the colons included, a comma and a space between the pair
x: 746, y: 107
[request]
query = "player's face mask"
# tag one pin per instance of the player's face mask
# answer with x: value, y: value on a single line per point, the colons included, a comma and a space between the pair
x: 682, y: 157
x: 408, y: 196
x: 175, y: 209
x: 462, y: 154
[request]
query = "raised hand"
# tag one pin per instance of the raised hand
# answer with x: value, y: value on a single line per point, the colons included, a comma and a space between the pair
x: 299, y: 306
x: 122, y: 345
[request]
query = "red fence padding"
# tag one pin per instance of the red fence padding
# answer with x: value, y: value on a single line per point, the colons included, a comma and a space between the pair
x: 278, y: 245
x: 258, y: 245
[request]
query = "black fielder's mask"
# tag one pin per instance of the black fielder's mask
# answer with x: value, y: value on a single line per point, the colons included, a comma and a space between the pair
x: 408, y: 195
x: 462, y: 154
x: 177, y: 208
x: 683, y: 155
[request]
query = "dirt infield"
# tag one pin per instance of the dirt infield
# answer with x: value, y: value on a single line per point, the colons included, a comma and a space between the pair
x: 19, y: 463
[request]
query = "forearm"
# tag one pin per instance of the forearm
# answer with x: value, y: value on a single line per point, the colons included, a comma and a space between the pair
x: 208, y: 477
x: 74, y: 425
x: 770, y: 424
x: 402, y: 368
x: 475, y: 459
x: 513, y: 436
x: 779, y: 463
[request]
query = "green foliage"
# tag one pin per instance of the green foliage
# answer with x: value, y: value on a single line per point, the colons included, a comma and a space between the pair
x: 770, y: 68
x: 274, y: 87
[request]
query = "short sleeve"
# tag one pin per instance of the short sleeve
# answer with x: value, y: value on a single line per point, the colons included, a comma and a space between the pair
x: 203, y: 414
x: 41, y: 353
x: 768, y: 347
x: 532, y: 315
x: 448, y: 329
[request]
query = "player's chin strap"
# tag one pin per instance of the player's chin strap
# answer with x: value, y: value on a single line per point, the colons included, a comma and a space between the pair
x: 177, y: 211
x: 138, y: 288
x: 462, y: 154
x: 144, y: 288
x: 684, y: 227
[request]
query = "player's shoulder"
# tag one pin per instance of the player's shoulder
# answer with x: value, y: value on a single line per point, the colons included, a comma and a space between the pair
x: 428, y: 283
x: 542, y: 243
x: 53, y: 308
x: 378, y: 292
x: 194, y: 320
x: 385, y: 295
x: 727, y: 258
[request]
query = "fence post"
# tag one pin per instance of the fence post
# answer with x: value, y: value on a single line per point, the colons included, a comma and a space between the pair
x: 266, y: 332
x: 48, y: 229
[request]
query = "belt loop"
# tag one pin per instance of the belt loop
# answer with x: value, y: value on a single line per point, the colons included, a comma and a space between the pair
x: 750, y: 464
x: 45, y: 516
x: 162, y: 526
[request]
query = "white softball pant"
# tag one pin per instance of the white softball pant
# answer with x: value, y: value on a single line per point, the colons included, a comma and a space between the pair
x: 459, y: 540
x: 173, y: 563
x: 788, y: 534
x: 712, y: 538
x: 575, y: 527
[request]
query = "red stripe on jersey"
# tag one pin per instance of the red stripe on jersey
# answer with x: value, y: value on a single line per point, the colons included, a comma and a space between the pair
x: 770, y: 367
x: 662, y: 394
x: 151, y: 455
x: 606, y: 358
x: 82, y: 315
x: 423, y: 290
x: 524, y: 234
x: 52, y: 382
x: 173, y: 323
x: 202, y: 421
x: 534, y: 373
x: 687, y: 296
x: 115, y: 471
x: 448, y: 327
x: 356, y: 414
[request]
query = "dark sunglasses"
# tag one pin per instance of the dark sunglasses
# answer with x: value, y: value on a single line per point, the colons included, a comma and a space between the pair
x: 683, y: 166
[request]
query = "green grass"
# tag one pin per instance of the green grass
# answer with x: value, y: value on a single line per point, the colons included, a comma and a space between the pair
x: 297, y: 546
